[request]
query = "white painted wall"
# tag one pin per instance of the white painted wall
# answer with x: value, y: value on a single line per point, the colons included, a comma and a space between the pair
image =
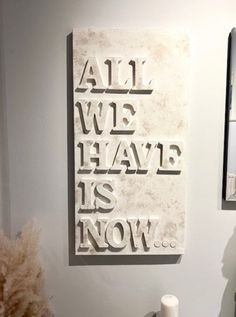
x: 36, y: 103
x: 4, y: 181
x: 1, y: 128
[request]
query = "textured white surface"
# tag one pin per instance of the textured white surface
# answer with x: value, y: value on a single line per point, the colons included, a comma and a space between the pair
x: 156, y: 115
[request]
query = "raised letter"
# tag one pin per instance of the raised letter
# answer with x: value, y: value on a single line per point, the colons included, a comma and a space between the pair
x: 124, y: 122
x: 138, y: 82
x: 89, y: 230
x: 91, y: 76
x: 124, y: 156
x: 143, y: 230
x: 124, y: 233
x: 93, y: 113
x: 105, y: 198
x: 171, y: 157
x: 144, y: 160
x: 93, y: 152
x: 87, y: 201
x: 114, y: 76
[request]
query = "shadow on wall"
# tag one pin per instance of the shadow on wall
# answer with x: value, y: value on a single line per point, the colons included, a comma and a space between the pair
x: 152, y: 314
x: 95, y: 259
x: 228, y: 307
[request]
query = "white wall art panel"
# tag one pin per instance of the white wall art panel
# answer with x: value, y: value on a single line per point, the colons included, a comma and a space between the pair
x: 129, y: 141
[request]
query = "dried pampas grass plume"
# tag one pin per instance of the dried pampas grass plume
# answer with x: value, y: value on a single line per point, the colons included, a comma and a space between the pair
x: 21, y: 277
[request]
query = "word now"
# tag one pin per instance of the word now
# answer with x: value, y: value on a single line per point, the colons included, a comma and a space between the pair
x: 117, y: 233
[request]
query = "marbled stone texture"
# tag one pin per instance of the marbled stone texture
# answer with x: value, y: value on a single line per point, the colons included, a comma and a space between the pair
x: 160, y: 118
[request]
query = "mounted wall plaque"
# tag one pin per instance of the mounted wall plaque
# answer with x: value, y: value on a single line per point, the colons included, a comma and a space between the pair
x: 129, y: 141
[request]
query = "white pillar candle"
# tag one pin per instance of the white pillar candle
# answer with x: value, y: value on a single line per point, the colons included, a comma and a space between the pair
x: 169, y: 306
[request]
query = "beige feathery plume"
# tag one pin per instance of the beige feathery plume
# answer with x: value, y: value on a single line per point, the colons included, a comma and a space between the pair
x: 21, y: 278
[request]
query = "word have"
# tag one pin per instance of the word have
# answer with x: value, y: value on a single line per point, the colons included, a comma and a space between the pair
x: 139, y: 156
x: 117, y: 233
x: 92, y: 77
